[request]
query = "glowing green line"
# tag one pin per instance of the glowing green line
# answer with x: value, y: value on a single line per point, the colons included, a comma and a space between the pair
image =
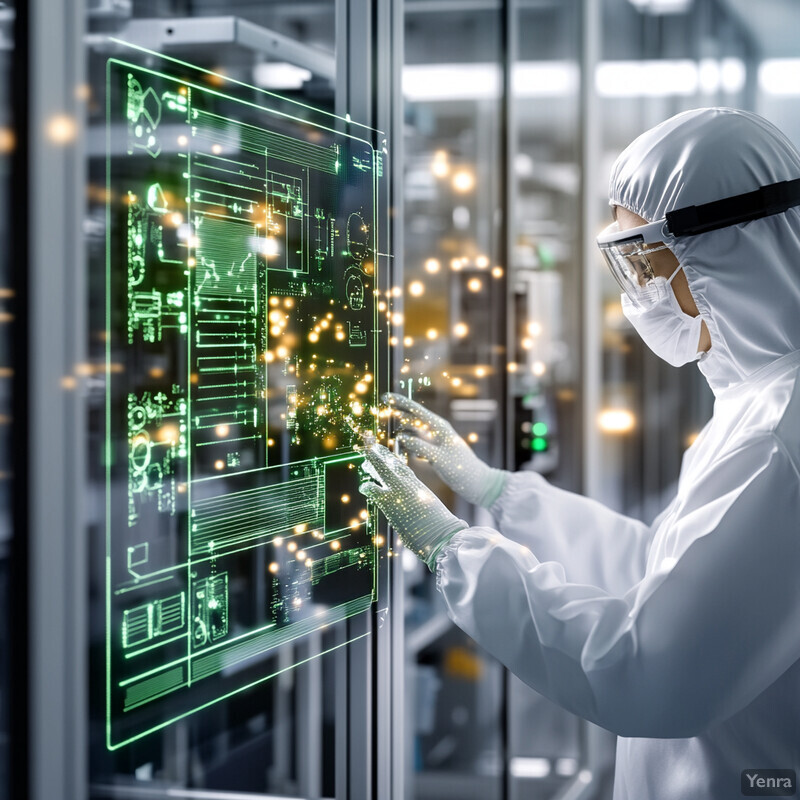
x: 240, y: 439
x: 185, y: 714
x: 215, y: 214
x: 229, y: 160
x: 223, y: 551
x: 293, y: 464
x: 141, y: 585
x: 257, y: 190
x: 213, y: 370
x: 241, y: 83
x: 160, y: 668
x: 157, y: 644
x: 189, y: 284
x: 211, y: 192
x: 238, y: 174
x: 263, y: 629
x: 107, y: 454
x: 190, y: 85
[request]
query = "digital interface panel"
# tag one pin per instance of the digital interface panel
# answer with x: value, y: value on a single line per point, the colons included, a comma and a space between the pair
x: 241, y: 337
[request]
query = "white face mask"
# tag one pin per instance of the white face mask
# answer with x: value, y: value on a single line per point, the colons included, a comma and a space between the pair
x: 665, y: 328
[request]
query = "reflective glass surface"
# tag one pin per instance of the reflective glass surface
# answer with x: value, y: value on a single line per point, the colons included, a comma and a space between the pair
x: 236, y: 234
x: 453, y: 361
x: 10, y: 605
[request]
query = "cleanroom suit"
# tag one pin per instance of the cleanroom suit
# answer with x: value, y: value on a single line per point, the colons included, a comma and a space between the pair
x: 683, y: 637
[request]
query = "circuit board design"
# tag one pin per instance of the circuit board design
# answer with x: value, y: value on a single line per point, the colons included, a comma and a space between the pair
x: 242, y: 355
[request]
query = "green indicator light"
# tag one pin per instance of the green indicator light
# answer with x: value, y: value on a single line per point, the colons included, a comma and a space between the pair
x: 539, y: 429
x: 539, y: 444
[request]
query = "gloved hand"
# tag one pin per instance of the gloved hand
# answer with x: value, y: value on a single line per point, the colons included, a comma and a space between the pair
x: 427, y: 435
x: 421, y: 520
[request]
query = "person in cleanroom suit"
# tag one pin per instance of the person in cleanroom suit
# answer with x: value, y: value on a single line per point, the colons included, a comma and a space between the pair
x: 682, y: 637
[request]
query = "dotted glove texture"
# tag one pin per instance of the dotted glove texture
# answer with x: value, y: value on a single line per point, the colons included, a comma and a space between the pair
x: 423, y: 523
x: 426, y: 435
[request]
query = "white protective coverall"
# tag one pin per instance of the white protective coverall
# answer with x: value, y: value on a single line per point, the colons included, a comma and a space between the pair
x: 683, y: 637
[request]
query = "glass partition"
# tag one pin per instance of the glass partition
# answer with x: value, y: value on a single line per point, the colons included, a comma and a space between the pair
x: 454, y: 289
x: 238, y: 242
x: 546, y: 745
x: 11, y: 562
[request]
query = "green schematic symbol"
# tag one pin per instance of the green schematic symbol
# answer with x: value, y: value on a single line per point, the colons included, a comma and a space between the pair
x: 144, y: 115
x: 210, y: 611
x: 156, y: 199
x: 358, y: 237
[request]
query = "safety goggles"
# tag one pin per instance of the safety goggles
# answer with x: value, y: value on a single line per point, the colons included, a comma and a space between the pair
x: 627, y: 255
x: 627, y: 252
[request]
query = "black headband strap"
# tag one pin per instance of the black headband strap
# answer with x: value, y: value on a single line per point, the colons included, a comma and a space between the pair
x: 772, y: 199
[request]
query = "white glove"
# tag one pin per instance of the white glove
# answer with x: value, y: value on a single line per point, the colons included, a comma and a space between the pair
x: 428, y: 436
x: 422, y: 521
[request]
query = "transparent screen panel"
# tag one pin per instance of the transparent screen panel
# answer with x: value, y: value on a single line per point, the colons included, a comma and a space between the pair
x: 242, y: 344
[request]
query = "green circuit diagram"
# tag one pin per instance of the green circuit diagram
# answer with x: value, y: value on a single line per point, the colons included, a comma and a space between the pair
x: 242, y: 264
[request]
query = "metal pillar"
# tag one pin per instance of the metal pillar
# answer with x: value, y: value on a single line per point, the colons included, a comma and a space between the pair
x: 591, y: 361
x: 389, y: 653
x: 57, y: 575
x: 369, y: 57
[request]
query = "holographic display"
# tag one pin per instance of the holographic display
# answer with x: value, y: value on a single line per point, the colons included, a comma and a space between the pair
x: 241, y: 338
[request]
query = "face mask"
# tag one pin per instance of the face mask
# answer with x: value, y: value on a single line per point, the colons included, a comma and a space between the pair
x: 665, y: 328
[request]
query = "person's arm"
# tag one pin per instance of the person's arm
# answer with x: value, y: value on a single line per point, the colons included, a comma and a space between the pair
x: 595, y: 545
x: 696, y: 640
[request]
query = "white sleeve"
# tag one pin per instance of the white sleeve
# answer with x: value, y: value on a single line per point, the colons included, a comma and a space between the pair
x: 692, y: 643
x: 595, y: 545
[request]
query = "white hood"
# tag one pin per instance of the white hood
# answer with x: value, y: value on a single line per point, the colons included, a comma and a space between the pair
x: 745, y: 278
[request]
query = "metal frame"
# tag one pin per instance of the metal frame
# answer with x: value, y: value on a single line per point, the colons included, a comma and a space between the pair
x: 591, y: 356
x: 18, y: 748
x: 368, y: 88
x: 390, y: 739
x: 354, y: 774
x: 57, y: 577
x: 508, y: 155
x: 161, y: 33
